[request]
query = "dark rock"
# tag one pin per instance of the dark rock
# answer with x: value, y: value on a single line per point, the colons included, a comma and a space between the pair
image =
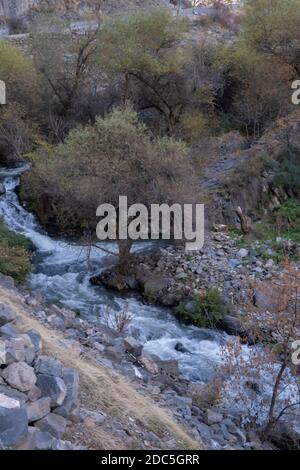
x: 53, y: 387
x: 48, y: 366
x: 38, y: 409
x: 20, y: 376
x: 71, y: 380
x: 13, y: 426
x: 7, y: 315
x: 180, y: 348
x: 8, y: 331
x: 53, y: 424
x: 133, y: 346
x: 35, y: 339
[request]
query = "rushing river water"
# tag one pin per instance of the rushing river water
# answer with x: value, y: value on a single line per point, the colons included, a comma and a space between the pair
x: 61, y: 274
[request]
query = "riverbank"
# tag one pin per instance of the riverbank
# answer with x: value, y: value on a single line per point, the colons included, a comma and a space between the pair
x: 224, y: 270
x: 127, y: 397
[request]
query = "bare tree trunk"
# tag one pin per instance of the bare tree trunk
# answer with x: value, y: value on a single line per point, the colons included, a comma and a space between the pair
x: 124, y: 254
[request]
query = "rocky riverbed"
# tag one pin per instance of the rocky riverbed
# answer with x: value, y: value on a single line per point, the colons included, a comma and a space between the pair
x: 39, y: 396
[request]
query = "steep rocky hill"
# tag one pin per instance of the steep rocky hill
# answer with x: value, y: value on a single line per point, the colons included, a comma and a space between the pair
x: 20, y: 8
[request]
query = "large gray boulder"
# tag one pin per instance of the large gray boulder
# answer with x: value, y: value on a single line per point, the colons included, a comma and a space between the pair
x: 7, y: 315
x: 8, y: 331
x: 53, y: 387
x: 13, y: 426
x: 52, y: 423
x: 20, y: 376
x: 36, y: 340
x: 48, y: 366
x: 38, y: 409
x: 71, y: 380
x: 133, y: 346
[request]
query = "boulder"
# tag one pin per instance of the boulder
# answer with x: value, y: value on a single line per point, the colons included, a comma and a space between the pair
x: 36, y: 340
x: 169, y: 368
x: 47, y: 365
x: 43, y: 440
x: 53, y: 424
x: 212, y: 417
x: 8, y: 331
x: 71, y: 380
x: 2, y: 189
x: 15, y: 350
x: 8, y: 402
x: 7, y: 315
x: 149, y: 362
x: 20, y: 376
x: 13, y: 426
x: 156, y: 285
x: 133, y: 346
x: 53, y: 387
x: 38, y: 409
x: 13, y: 393
x: 180, y: 348
x: 34, y: 394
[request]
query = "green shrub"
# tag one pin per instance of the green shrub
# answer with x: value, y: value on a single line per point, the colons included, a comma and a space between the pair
x: 207, y: 310
x: 15, y: 254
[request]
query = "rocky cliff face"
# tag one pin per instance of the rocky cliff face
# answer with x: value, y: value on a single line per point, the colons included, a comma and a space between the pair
x: 16, y: 8
x: 19, y: 8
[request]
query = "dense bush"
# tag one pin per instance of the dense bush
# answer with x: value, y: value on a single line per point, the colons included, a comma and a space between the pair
x: 206, y: 311
x: 15, y: 254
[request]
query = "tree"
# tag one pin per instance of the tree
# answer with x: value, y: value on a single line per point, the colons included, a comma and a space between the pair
x: 64, y: 59
x: 265, y: 384
x: 98, y: 163
x: 22, y: 83
x: 144, y: 48
x: 256, y: 88
x: 19, y: 75
x: 272, y: 27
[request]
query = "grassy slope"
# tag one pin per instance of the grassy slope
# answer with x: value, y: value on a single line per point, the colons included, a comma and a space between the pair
x: 104, y: 390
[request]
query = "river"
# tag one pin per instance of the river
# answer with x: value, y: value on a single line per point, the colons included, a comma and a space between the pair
x: 60, y: 273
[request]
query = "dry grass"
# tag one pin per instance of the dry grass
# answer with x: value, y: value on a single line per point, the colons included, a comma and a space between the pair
x: 105, y: 390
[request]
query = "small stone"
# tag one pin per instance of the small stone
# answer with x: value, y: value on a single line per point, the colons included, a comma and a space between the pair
x: 20, y: 376
x: 93, y: 417
x: 212, y: 417
x: 242, y: 253
x: 199, y: 270
x: 269, y: 264
x: 53, y: 424
x: 234, y: 263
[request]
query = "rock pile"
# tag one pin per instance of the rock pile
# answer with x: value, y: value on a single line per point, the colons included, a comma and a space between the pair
x: 37, y: 393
